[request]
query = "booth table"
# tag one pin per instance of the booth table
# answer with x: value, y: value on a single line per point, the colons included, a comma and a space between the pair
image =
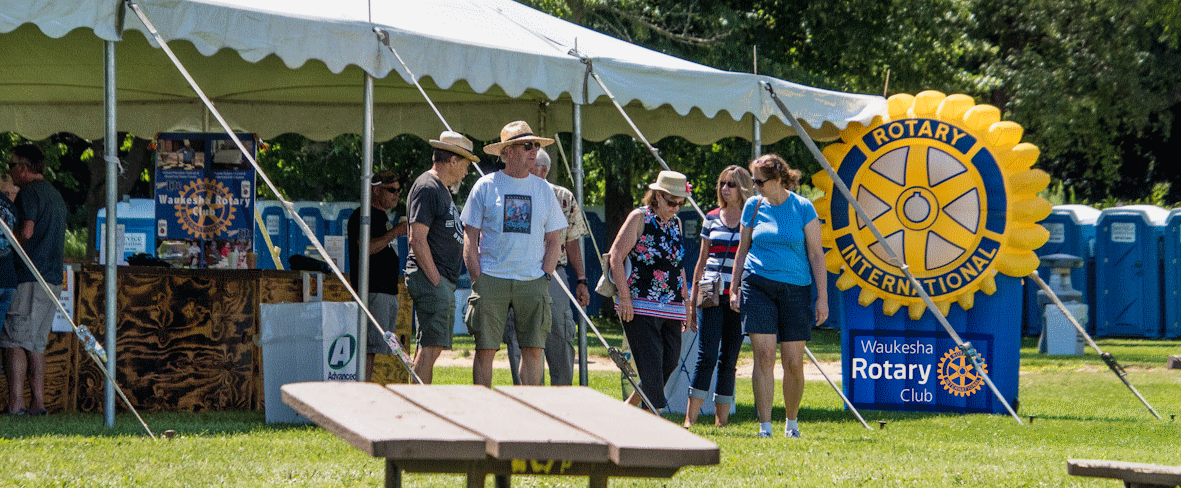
x: 505, y: 431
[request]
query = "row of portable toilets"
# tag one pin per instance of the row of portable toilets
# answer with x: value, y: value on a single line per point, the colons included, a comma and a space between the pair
x: 1131, y: 273
x: 1130, y: 278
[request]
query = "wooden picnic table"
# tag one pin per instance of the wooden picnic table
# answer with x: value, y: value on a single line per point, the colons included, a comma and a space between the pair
x: 504, y: 431
x: 1134, y: 475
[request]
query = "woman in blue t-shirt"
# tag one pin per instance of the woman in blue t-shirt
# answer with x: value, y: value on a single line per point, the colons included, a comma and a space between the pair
x: 779, y: 256
x: 720, y: 325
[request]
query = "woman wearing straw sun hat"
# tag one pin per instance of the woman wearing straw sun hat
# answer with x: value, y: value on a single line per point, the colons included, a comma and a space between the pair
x: 651, y: 298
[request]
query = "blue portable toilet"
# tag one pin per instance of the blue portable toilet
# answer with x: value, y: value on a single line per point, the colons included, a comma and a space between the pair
x: 1172, y: 271
x: 1128, y: 285
x: 137, y: 217
x: 298, y: 243
x: 1072, y: 231
x: 274, y: 219
x: 336, y: 220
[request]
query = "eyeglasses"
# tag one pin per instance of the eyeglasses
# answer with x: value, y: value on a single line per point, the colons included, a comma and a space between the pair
x: 677, y: 203
x: 391, y: 189
x: 759, y: 182
x: 727, y: 184
x: 529, y: 146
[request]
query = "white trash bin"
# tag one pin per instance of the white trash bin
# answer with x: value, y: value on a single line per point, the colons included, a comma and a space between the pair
x: 305, y: 342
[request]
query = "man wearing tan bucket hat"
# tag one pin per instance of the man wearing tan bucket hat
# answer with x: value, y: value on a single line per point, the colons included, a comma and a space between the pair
x: 511, y: 223
x: 436, y: 248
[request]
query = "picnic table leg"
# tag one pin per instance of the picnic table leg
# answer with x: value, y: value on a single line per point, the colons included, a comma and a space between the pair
x: 393, y: 475
x: 598, y: 481
x: 502, y: 481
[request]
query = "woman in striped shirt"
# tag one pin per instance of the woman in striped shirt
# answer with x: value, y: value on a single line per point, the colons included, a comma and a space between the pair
x: 720, y: 326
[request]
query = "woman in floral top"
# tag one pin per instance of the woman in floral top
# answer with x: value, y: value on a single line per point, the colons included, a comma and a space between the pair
x: 651, y: 301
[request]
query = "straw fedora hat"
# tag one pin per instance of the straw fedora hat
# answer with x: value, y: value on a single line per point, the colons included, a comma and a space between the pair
x: 671, y: 182
x: 456, y: 143
x: 513, y: 133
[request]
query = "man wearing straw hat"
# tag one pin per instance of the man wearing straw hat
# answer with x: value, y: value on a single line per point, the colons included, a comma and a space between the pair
x: 436, y: 248
x: 511, y: 223
x: 559, y: 346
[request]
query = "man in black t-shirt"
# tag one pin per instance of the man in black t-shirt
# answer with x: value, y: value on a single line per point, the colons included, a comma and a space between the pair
x: 41, y: 229
x: 436, y: 248
x: 384, y: 271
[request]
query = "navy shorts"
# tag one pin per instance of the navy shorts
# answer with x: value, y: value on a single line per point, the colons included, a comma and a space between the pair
x: 773, y: 307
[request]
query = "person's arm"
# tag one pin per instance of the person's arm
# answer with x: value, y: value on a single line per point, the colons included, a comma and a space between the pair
x: 553, y: 250
x: 471, y: 251
x: 422, y: 252
x: 698, y: 271
x: 625, y: 240
x: 376, y: 244
x: 574, y: 257
x: 26, y: 230
x: 736, y: 271
x: 816, y: 262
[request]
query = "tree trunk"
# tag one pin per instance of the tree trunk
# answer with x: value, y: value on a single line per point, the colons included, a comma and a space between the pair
x: 134, y: 162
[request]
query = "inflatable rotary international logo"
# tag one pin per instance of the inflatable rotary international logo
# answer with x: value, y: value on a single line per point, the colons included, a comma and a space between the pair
x: 949, y: 186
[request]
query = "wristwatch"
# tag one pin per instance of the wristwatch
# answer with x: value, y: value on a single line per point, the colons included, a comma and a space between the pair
x: 582, y: 281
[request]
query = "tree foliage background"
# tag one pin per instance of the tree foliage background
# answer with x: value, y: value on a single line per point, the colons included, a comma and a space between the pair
x: 1095, y: 83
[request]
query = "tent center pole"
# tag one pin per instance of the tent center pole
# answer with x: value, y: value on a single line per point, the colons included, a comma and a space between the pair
x: 365, y: 229
x: 576, y: 152
x: 111, y: 155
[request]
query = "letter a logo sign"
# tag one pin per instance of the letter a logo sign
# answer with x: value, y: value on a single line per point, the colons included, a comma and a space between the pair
x: 342, y: 351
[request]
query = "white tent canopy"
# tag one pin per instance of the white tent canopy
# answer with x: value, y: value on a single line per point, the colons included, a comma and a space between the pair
x: 277, y: 66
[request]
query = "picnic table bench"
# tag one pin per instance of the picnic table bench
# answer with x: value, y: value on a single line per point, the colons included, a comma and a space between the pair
x: 504, y: 431
x: 1134, y: 475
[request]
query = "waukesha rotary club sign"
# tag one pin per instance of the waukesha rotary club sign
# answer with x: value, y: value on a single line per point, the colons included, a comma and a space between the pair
x: 950, y: 187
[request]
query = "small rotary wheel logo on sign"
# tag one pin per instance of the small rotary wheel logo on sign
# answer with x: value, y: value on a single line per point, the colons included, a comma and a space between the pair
x: 957, y: 375
x: 950, y: 189
x: 205, y: 208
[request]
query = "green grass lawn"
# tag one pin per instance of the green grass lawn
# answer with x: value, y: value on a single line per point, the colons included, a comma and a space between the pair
x: 1082, y: 410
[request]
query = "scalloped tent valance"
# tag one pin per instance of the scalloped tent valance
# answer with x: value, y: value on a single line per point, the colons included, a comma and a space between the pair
x: 276, y: 66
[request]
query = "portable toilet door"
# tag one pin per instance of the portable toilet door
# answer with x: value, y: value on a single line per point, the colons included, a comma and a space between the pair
x: 1128, y: 271
x: 1172, y: 275
x: 336, y: 219
x: 271, y: 214
x: 1072, y: 231
x: 310, y: 213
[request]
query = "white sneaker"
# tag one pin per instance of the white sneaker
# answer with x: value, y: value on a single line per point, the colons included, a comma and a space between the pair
x: 764, y: 433
x: 792, y: 433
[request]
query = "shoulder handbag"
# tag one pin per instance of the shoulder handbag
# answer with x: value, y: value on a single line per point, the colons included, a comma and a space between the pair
x: 606, y: 287
x: 709, y: 291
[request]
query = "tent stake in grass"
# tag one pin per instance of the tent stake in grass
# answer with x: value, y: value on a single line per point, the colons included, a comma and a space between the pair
x: 1112, y: 364
x: 965, y: 347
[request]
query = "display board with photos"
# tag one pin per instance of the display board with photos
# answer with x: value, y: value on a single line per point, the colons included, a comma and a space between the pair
x: 204, y: 194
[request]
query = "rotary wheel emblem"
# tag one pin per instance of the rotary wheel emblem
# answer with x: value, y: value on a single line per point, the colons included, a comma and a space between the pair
x: 205, y: 208
x: 957, y: 375
x: 949, y: 187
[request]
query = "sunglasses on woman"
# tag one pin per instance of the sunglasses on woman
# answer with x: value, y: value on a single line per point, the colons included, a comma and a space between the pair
x: 759, y: 182
x: 673, y: 203
x: 727, y: 184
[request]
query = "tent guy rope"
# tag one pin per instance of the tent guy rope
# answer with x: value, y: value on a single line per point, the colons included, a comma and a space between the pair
x: 92, y: 347
x: 964, y: 346
x: 656, y: 153
x: 395, y: 345
x: 1112, y: 364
